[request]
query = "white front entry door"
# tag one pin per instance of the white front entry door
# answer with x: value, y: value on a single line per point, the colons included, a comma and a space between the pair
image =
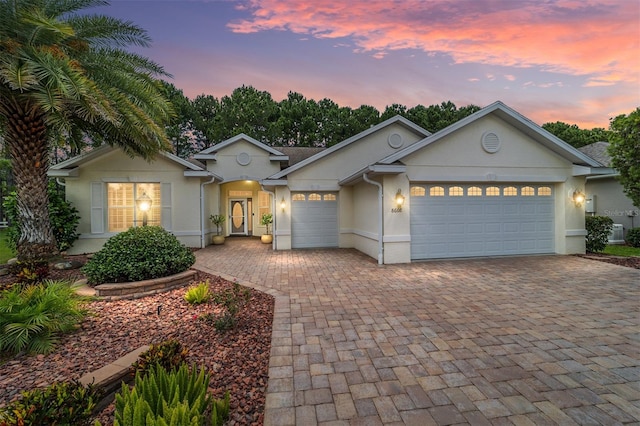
x: 238, y: 222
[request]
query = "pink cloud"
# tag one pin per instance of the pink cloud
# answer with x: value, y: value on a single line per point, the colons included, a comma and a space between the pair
x: 597, y: 39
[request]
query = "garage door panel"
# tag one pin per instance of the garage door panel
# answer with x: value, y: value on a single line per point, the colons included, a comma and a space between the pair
x: 467, y: 225
x: 314, y: 223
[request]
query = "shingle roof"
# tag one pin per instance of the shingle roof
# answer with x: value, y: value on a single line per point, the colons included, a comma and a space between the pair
x: 598, y: 151
x: 298, y: 153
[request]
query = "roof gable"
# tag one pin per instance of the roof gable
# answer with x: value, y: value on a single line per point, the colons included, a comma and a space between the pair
x: 207, y: 153
x: 598, y: 151
x: 70, y: 167
x: 513, y: 118
x: 397, y: 119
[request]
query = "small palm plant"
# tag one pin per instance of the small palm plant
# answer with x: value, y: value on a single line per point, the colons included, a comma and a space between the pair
x: 218, y: 220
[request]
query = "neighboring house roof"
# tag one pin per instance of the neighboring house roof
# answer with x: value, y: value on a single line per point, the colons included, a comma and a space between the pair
x: 70, y: 167
x: 397, y: 119
x: 599, y: 152
x: 515, y: 119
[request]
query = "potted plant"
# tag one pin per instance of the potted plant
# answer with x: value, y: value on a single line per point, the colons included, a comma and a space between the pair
x: 218, y: 220
x: 266, y: 220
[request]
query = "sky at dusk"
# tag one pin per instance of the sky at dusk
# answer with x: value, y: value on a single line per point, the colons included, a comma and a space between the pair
x: 576, y: 61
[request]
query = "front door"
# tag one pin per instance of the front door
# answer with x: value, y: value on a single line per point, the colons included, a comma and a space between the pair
x: 238, y: 222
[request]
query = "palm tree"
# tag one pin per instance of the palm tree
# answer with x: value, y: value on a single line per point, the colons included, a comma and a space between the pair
x: 66, y: 73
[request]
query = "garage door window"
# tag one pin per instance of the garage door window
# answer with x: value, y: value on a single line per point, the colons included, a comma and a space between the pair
x: 315, y: 197
x: 510, y: 191
x: 493, y: 191
x: 456, y: 191
x: 298, y: 197
x: 436, y: 191
x: 544, y: 191
x: 527, y: 191
x: 329, y: 197
x: 474, y: 191
x: 418, y: 191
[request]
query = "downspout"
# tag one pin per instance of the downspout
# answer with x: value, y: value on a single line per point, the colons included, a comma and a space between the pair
x: 59, y: 182
x: 381, y: 217
x: 274, y: 243
x: 202, y: 242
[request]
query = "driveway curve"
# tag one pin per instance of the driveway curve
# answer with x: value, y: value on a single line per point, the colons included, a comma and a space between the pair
x: 515, y: 340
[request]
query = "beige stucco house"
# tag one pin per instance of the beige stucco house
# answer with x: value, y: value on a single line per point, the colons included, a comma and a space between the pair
x: 606, y: 197
x: 491, y: 184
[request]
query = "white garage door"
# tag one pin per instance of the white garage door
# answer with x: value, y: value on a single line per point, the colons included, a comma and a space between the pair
x: 314, y: 219
x: 455, y: 220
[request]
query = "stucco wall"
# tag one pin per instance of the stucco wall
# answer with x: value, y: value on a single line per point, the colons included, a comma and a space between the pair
x: 117, y: 167
x: 228, y: 165
x: 611, y: 201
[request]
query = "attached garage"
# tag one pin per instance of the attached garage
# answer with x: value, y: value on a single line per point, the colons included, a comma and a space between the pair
x: 467, y: 220
x: 314, y: 219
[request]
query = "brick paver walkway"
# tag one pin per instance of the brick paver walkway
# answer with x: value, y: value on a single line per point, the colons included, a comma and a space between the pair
x: 519, y: 340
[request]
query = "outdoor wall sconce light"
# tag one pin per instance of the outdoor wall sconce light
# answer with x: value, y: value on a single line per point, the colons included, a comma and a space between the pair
x: 399, y: 201
x: 144, y: 204
x: 282, y: 204
x: 578, y: 198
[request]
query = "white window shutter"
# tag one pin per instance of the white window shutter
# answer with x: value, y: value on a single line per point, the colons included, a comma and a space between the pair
x: 165, y: 201
x: 97, y: 208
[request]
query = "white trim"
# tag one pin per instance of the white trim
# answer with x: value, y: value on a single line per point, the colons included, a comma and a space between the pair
x: 215, y: 148
x: 305, y: 187
x: 274, y: 182
x: 374, y: 170
x: 64, y: 173
x: 364, y: 234
x: 397, y: 239
x: 575, y: 233
x: 107, y: 235
x: 488, y: 178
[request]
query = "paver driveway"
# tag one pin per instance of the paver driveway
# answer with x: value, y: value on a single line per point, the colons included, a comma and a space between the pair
x: 526, y: 340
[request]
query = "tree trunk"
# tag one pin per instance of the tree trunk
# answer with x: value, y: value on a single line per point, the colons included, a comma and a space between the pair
x: 26, y: 140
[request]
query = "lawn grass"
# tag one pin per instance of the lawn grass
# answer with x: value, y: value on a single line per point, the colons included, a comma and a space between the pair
x: 622, y: 250
x: 5, y: 252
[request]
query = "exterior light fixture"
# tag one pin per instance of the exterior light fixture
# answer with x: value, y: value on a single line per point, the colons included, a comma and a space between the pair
x: 398, y: 201
x: 282, y: 204
x: 144, y: 204
x: 578, y: 198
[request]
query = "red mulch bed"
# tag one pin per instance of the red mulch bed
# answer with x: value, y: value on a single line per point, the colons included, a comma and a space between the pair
x: 630, y: 262
x: 237, y: 360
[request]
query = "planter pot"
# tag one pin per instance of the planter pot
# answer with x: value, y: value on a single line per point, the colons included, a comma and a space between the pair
x: 218, y: 239
x: 266, y: 238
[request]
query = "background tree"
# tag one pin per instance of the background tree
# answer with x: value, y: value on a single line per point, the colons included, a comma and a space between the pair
x: 625, y: 152
x: 575, y: 136
x: 181, y: 129
x: 66, y: 72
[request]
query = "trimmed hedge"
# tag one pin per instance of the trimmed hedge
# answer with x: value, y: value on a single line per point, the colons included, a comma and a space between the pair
x: 141, y: 253
x: 598, y: 230
x: 633, y: 237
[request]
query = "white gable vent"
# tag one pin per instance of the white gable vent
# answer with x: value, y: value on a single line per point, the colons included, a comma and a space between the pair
x: 490, y: 142
x: 243, y: 159
x: 395, y: 140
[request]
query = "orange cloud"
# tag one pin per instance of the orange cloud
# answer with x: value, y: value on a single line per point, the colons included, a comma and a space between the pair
x: 597, y: 39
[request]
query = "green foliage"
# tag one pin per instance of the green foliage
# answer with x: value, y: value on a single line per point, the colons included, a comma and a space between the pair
x: 622, y: 250
x: 30, y: 271
x: 6, y: 252
x: 575, y: 136
x: 233, y: 300
x: 266, y: 219
x: 624, y: 149
x: 33, y: 317
x: 633, y: 237
x: 62, y: 403
x: 198, y: 294
x: 217, y: 220
x: 63, y: 216
x: 177, y: 397
x: 138, y: 254
x: 169, y: 355
x: 598, y: 229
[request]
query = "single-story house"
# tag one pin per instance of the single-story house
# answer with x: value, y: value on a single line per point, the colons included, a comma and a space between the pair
x: 605, y: 196
x: 491, y: 184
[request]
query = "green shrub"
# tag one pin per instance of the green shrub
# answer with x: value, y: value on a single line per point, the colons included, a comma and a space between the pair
x: 33, y: 317
x: 198, y: 293
x: 598, y: 229
x: 633, y: 237
x: 169, y: 354
x: 177, y: 397
x: 62, y: 403
x: 138, y: 254
x: 63, y: 216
